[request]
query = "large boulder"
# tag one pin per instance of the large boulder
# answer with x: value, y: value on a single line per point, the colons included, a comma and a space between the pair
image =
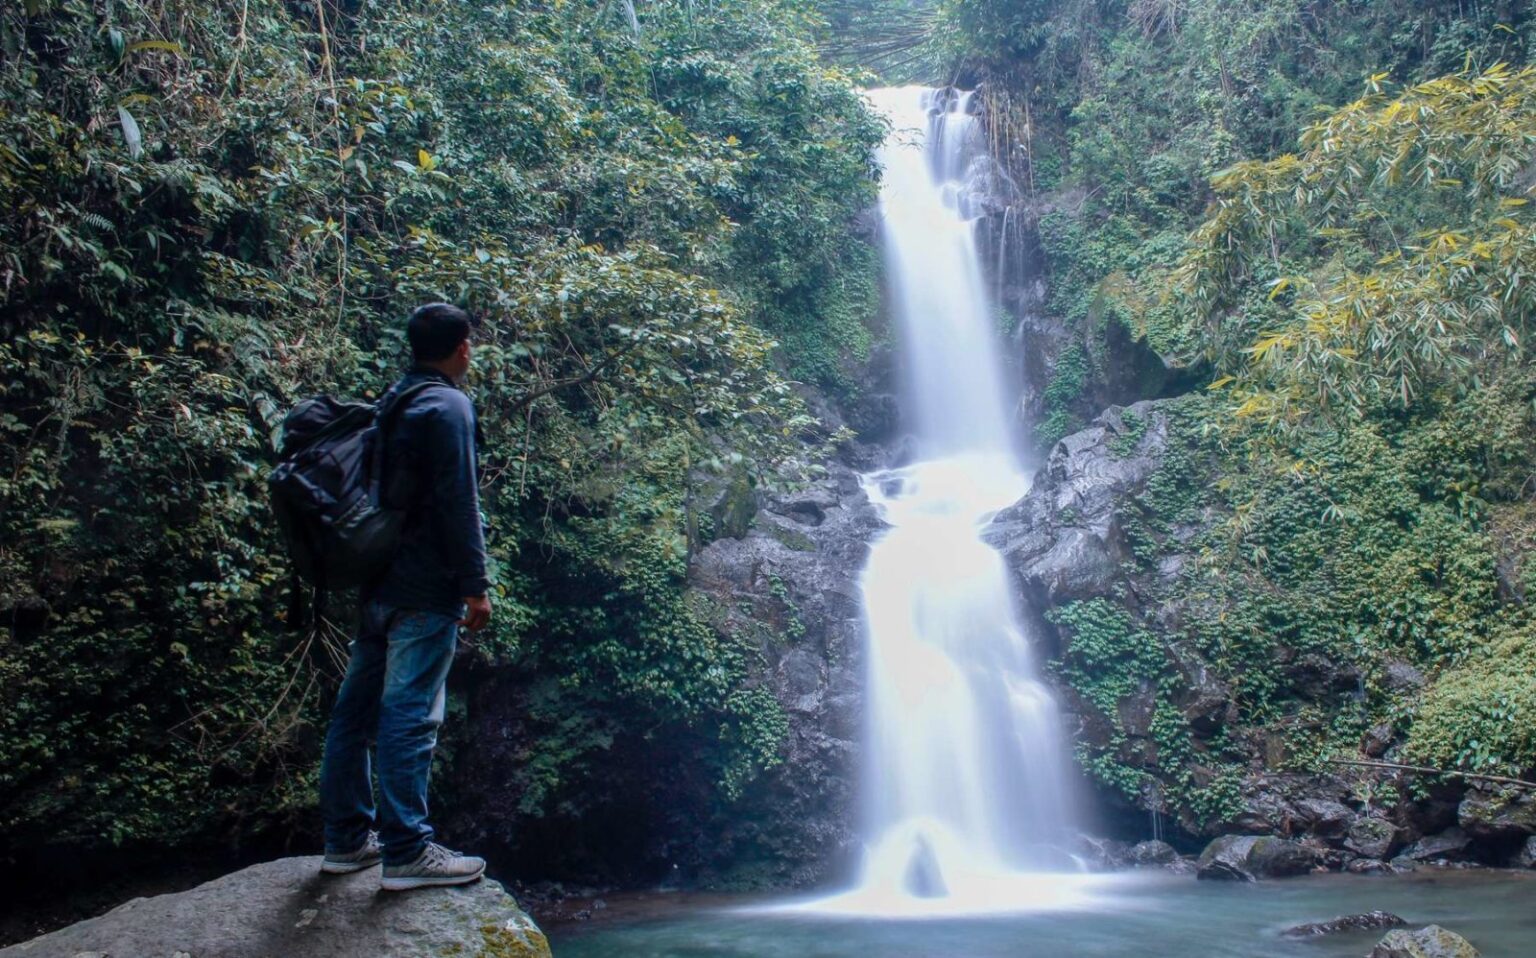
x: 1251, y: 857
x: 1503, y: 814
x: 1431, y: 941
x: 287, y: 908
x: 1373, y: 838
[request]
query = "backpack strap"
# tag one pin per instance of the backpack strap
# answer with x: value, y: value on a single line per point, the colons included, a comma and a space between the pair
x: 385, y: 415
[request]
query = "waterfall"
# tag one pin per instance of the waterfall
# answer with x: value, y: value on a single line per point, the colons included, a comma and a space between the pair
x: 965, y: 775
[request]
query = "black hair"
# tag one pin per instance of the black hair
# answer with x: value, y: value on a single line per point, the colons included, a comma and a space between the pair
x: 436, y: 330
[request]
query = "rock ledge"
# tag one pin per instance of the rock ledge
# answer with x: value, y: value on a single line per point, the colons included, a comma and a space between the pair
x: 287, y: 909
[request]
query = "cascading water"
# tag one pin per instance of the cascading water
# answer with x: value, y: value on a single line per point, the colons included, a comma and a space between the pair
x: 965, y: 785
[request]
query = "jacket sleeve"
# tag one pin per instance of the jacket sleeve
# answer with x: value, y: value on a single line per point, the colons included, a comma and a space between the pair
x: 456, y: 492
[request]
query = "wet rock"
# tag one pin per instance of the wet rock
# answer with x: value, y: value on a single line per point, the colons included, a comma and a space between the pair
x: 1251, y: 857
x: 1204, y: 699
x: 1503, y: 814
x: 1063, y: 541
x: 1226, y: 859
x: 1281, y: 858
x: 1325, y: 818
x: 1368, y: 866
x: 1136, y: 710
x: 1318, y: 676
x: 731, y: 506
x: 1153, y: 853
x: 1431, y: 941
x: 1103, y: 854
x: 1183, y: 865
x: 286, y: 907
x: 1376, y: 740
x: 1373, y: 838
x: 1449, y: 845
x: 1365, y: 922
x: 1402, y: 677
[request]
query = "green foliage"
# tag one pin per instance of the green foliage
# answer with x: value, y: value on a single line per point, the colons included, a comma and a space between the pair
x: 1481, y: 715
x: 212, y: 209
x: 1406, y: 217
x: 1366, y: 545
x: 1355, y: 488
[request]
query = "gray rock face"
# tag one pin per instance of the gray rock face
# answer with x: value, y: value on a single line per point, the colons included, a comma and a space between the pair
x: 1504, y: 814
x: 1431, y: 941
x: 287, y: 908
x: 789, y: 586
x: 1063, y: 540
x: 1251, y: 857
x: 1369, y: 920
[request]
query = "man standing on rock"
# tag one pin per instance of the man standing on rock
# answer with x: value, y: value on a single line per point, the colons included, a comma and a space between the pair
x: 393, y: 692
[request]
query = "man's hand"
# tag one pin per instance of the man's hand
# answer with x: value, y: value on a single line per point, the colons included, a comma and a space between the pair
x: 479, y: 612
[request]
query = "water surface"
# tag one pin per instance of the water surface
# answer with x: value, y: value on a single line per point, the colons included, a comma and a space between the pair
x: 1142, y: 915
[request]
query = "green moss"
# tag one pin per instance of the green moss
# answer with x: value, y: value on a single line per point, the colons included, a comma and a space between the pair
x: 513, y: 940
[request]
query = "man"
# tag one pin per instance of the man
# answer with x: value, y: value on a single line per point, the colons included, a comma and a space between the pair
x: 393, y: 690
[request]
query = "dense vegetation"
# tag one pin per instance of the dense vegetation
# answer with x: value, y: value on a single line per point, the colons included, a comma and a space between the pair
x: 214, y: 208
x: 1320, y: 210
x: 209, y: 209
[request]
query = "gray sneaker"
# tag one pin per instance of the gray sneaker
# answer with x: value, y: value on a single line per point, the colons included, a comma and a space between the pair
x: 435, y: 866
x: 369, y: 854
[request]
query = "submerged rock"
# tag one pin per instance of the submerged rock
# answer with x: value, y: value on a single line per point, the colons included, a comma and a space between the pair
x: 1369, y: 920
x: 286, y: 907
x: 1431, y: 941
x: 1368, y: 866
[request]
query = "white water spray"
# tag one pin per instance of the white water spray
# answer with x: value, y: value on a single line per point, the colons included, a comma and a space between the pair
x: 966, y: 769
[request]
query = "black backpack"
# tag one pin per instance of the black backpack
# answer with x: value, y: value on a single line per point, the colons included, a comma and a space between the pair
x: 326, y: 492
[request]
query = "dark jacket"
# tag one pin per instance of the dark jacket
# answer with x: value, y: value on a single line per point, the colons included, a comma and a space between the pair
x: 431, y: 470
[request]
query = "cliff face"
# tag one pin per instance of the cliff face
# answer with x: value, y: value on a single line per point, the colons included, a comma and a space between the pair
x: 1120, y: 582
x: 779, y: 581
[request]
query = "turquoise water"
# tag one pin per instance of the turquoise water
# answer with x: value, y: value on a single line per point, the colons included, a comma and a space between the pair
x: 1142, y: 915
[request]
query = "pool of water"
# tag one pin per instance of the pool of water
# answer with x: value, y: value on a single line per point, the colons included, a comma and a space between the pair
x: 1141, y: 915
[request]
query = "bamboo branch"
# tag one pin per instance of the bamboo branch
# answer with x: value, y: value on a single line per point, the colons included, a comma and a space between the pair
x: 1447, y: 772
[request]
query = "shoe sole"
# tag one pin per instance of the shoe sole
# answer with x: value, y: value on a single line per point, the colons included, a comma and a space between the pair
x: 347, y: 868
x: 406, y: 884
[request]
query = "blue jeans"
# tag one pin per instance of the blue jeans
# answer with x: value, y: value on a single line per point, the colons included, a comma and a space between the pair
x: 393, y: 695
